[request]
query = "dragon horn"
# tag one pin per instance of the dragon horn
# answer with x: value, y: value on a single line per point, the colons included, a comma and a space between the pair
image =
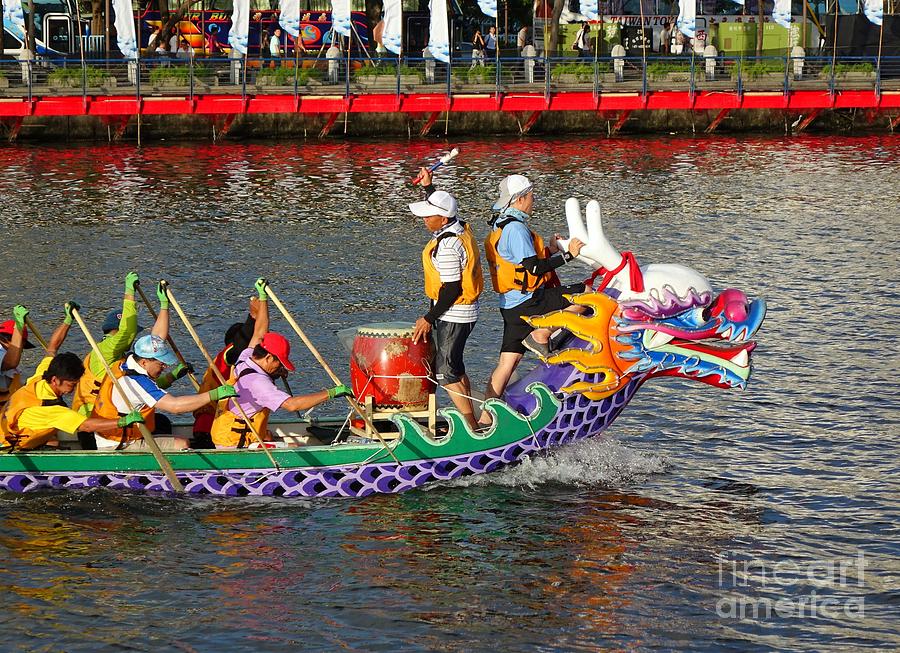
x: 598, y: 247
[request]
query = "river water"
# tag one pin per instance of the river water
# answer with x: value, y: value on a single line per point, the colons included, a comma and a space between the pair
x: 705, y: 520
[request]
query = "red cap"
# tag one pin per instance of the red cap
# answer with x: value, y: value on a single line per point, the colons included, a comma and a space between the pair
x: 6, y: 329
x: 277, y: 345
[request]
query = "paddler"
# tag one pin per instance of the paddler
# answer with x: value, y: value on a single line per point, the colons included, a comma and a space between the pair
x: 120, y: 328
x: 265, y: 356
x: 453, y: 282
x: 520, y: 271
x: 13, y: 339
x: 37, y: 410
x: 143, y: 377
x: 237, y: 337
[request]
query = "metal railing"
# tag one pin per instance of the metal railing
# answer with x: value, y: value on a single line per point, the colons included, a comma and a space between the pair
x: 308, y: 76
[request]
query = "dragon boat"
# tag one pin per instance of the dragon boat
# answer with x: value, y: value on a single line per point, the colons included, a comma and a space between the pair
x: 639, y: 323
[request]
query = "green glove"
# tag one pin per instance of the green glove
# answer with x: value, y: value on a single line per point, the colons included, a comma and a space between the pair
x: 71, y: 305
x: 339, y: 391
x: 19, y: 315
x: 162, y: 297
x: 134, y: 417
x: 181, y: 370
x: 260, y: 286
x: 222, y: 392
x: 131, y: 280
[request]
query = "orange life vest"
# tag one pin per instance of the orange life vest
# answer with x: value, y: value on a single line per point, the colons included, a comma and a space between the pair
x: 472, y: 277
x: 505, y: 275
x: 105, y: 408
x: 26, y: 397
x: 229, y: 429
x: 87, y: 388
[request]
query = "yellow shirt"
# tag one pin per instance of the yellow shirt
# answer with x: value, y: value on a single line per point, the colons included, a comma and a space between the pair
x: 49, y: 417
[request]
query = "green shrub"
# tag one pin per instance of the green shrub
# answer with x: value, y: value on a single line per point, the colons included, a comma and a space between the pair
x: 660, y: 69
x: 584, y: 72
x: 178, y: 75
x: 844, y: 68
x: 756, y: 69
x: 74, y: 76
x: 386, y: 70
x: 481, y: 75
x: 282, y: 76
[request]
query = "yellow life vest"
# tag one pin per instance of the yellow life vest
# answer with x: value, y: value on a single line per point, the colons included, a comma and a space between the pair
x: 230, y: 430
x: 105, y: 408
x: 86, y: 391
x: 26, y: 397
x: 472, y: 277
x: 506, y: 276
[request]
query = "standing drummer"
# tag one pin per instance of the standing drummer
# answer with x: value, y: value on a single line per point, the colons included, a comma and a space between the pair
x: 453, y: 282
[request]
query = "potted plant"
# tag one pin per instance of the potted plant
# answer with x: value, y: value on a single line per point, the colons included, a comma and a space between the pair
x: 678, y: 72
x: 764, y: 74
x: 77, y: 77
x: 384, y: 77
x: 850, y: 72
x: 573, y: 73
x: 481, y: 75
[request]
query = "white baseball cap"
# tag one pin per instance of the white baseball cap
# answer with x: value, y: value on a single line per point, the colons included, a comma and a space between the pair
x: 438, y: 203
x: 512, y: 188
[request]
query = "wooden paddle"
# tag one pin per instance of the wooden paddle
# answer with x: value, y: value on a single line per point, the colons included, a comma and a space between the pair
x: 37, y: 334
x: 169, y: 340
x: 212, y: 365
x: 315, y: 352
x: 161, y: 460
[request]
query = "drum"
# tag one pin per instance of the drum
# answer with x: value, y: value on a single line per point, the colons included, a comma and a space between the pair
x: 387, y: 366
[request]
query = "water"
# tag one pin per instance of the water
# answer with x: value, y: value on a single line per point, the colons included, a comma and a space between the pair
x: 701, y: 507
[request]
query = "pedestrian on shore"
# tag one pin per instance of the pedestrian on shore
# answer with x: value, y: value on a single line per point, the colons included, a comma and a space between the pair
x: 477, y: 49
x: 583, y: 41
x: 490, y: 44
x: 665, y: 38
x: 264, y: 38
x: 275, y: 48
x: 522, y: 39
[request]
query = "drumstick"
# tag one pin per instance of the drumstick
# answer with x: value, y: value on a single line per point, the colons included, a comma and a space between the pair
x: 447, y: 158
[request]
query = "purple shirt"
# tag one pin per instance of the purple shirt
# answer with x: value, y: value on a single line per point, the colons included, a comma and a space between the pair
x: 255, y: 391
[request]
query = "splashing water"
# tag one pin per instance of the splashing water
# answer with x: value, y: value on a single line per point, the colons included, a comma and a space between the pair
x: 589, y: 462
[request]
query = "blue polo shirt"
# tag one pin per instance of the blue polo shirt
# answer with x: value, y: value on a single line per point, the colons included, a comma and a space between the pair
x: 515, y: 245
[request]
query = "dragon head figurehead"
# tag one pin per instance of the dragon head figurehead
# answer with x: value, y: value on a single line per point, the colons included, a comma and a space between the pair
x: 659, y: 320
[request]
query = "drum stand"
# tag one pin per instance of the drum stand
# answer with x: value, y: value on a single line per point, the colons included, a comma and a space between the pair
x: 429, y: 412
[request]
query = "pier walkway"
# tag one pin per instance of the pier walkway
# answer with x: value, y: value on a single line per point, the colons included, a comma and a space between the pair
x: 116, y: 91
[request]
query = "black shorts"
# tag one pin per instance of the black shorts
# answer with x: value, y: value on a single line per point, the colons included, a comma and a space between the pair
x: 544, y: 300
x: 449, y: 343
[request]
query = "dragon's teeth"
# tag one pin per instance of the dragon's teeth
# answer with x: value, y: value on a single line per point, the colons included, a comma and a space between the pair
x: 658, y: 339
x: 741, y: 359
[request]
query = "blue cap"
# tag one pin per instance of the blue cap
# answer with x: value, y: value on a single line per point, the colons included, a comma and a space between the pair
x: 154, y: 347
x: 113, y: 318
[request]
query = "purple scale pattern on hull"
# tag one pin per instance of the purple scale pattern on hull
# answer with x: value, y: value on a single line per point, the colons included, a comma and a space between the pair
x: 578, y: 418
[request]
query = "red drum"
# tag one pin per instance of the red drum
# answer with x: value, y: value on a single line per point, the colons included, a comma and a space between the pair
x: 387, y: 366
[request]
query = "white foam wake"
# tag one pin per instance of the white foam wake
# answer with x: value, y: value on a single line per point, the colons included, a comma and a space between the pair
x: 590, y: 462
